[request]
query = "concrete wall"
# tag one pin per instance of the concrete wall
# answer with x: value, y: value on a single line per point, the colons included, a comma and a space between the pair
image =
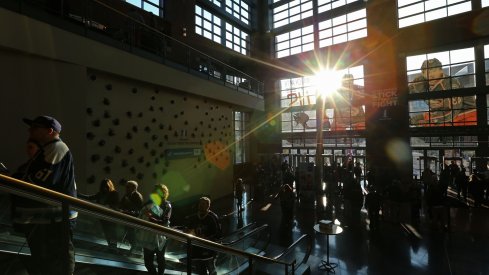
x: 131, y: 124
x: 119, y: 112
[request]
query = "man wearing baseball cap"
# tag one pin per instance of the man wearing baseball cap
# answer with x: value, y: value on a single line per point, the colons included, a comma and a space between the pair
x: 51, y: 167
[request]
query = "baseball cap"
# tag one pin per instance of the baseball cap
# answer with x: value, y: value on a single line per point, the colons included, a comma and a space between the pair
x: 44, y: 121
x: 431, y: 63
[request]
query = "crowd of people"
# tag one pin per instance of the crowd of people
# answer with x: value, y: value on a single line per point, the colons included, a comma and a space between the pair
x: 50, y: 165
x: 391, y: 200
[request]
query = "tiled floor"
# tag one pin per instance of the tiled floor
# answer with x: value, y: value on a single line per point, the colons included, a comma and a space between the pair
x: 393, y: 249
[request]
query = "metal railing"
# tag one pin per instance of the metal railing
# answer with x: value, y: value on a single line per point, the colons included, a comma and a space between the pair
x: 130, y: 31
x: 294, y: 245
x: 24, y: 189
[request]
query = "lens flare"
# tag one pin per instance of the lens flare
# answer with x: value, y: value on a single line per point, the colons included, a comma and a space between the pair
x: 175, y: 182
x: 155, y: 198
x: 217, y: 154
x: 398, y: 151
x: 327, y: 82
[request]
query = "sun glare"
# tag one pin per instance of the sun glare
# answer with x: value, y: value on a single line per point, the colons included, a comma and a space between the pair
x: 327, y: 82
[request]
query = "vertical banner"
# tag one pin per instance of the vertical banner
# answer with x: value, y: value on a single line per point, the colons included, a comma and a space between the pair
x: 385, y: 101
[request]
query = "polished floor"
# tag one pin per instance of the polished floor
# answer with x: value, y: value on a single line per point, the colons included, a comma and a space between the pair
x: 395, y: 248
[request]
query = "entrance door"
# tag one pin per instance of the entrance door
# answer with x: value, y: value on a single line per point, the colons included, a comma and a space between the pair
x: 428, y: 162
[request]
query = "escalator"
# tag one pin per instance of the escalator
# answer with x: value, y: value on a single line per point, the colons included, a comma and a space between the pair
x: 241, y: 251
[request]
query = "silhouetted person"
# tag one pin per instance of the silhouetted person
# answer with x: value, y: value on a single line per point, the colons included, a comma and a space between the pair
x: 357, y: 171
x: 427, y: 178
x: 461, y: 183
x: 50, y: 167
x: 109, y: 197
x: 287, y: 200
x: 130, y: 204
x: 372, y: 204
x: 239, y: 190
x: 205, y: 225
x: 158, y: 210
x: 476, y: 187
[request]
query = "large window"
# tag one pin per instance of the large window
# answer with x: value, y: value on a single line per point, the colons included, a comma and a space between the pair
x: 239, y: 9
x: 347, y: 142
x: 437, y: 72
x: 451, y: 111
x: 154, y: 6
x: 444, y: 141
x: 207, y: 24
x: 298, y: 95
x: 343, y: 28
x: 413, y: 12
x: 291, y: 12
x: 343, y: 111
x: 340, y: 24
x: 294, y: 42
x: 236, y: 39
x: 297, y: 92
x: 210, y: 26
x: 241, y: 141
x: 326, y: 5
x: 485, y: 3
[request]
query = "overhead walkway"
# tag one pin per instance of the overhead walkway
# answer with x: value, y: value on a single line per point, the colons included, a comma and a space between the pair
x: 115, y: 23
x: 245, y: 250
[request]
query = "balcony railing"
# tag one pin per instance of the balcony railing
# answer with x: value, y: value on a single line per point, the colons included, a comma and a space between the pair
x: 231, y: 259
x: 129, y: 28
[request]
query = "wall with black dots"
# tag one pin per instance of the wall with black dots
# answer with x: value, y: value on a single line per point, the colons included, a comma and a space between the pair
x: 131, y: 125
x: 113, y: 125
x: 119, y: 128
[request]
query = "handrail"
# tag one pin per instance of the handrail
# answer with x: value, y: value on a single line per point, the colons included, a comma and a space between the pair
x: 288, y: 249
x: 225, y: 74
x: 239, y: 230
x: 16, y: 186
x: 171, y: 38
x: 252, y: 232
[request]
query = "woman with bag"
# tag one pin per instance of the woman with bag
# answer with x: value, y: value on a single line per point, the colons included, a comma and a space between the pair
x: 157, y: 210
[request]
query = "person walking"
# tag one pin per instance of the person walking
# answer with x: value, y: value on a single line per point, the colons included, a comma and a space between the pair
x: 49, y: 238
x: 158, y: 210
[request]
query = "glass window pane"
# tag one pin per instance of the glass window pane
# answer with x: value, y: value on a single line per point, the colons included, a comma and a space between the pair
x: 357, y: 25
x: 357, y: 34
x: 410, y: 10
x: 339, y: 20
x: 324, y: 24
x: 401, y: 3
x: 357, y: 15
x: 326, y: 33
x: 409, y: 21
x: 414, y: 12
x: 326, y: 42
x: 436, y: 14
x: 340, y: 39
x: 433, y: 4
x: 462, y: 55
x: 460, y: 8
